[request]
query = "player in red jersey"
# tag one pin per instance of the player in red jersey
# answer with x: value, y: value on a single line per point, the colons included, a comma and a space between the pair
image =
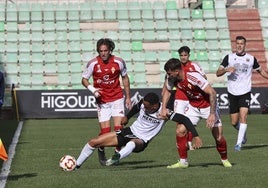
x: 202, y: 104
x: 106, y: 70
x: 181, y: 100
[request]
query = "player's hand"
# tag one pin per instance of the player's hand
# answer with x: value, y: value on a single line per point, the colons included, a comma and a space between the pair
x: 210, y: 121
x: 197, y: 142
x: 124, y: 121
x: 128, y: 103
x: 163, y: 113
x: 97, y: 93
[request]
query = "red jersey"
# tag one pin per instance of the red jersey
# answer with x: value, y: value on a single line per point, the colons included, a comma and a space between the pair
x: 188, y: 67
x: 106, y: 77
x: 193, y: 86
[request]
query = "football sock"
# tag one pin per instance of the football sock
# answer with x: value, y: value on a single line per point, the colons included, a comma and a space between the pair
x: 127, y: 150
x: 85, y: 153
x: 222, y: 148
x: 182, y: 146
x: 241, y: 133
x: 190, y: 136
x: 237, y: 126
x: 105, y: 130
x: 117, y: 128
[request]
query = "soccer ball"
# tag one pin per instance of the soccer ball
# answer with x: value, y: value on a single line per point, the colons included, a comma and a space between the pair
x: 67, y: 163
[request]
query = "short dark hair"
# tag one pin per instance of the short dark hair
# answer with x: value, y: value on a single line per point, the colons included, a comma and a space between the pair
x: 105, y: 41
x: 241, y: 38
x: 172, y: 64
x: 184, y: 49
x: 152, y: 98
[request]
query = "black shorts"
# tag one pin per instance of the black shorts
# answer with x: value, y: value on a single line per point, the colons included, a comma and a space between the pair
x: 125, y: 135
x: 236, y: 102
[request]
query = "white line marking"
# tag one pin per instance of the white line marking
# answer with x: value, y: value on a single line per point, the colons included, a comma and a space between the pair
x: 11, y: 152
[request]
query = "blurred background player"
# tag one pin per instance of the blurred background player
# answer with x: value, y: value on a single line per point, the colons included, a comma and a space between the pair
x: 239, y: 67
x: 106, y: 70
x: 137, y: 137
x: 202, y: 105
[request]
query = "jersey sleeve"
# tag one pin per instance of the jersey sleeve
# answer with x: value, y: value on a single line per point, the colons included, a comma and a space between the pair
x: 197, y: 79
x: 256, y: 65
x: 88, y: 71
x: 225, y: 62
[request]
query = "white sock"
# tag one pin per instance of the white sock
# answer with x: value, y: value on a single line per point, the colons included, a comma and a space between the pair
x: 85, y: 153
x: 241, y: 133
x: 184, y: 161
x: 127, y: 150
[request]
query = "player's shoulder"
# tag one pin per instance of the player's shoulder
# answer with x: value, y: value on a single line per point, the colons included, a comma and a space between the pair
x: 118, y: 59
x: 92, y: 61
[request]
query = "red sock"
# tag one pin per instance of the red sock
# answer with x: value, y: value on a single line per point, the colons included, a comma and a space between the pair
x: 182, y: 146
x: 105, y: 130
x: 117, y: 127
x: 222, y: 148
x: 190, y: 136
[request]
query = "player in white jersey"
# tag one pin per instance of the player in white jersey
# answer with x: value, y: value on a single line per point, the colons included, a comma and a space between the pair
x: 136, y: 137
x: 239, y: 66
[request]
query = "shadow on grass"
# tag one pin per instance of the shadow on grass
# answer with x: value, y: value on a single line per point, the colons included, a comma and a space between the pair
x: 254, y: 146
x: 17, y: 177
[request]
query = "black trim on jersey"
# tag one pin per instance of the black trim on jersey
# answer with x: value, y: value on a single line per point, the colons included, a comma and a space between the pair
x: 183, y: 120
x: 135, y: 109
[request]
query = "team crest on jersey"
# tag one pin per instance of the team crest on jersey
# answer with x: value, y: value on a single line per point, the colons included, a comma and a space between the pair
x: 113, y: 69
x: 247, y: 60
x: 189, y: 86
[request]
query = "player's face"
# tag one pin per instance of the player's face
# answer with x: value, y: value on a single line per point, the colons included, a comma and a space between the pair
x: 176, y: 75
x: 240, y: 47
x: 184, y: 57
x: 150, y: 108
x: 104, y: 53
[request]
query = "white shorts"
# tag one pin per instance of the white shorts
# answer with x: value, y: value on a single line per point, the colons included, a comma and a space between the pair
x: 180, y: 105
x: 196, y: 114
x: 111, y: 109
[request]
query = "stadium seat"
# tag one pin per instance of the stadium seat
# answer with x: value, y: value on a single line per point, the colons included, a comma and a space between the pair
x: 149, y: 35
x: 224, y: 34
x: 163, y: 56
x: 135, y: 25
x: 262, y: 4
x: 124, y: 35
x: 214, y: 55
x: 159, y: 14
x: 212, y: 44
x: 207, y: 4
x: 202, y: 56
x: 162, y: 35
x: 147, y: 14
x: 137, y: 35
x: 173, y: 24
x: 135, y: 14
x: 73, y: 15
x: 161, y: 25
x: 37, y: 68
x: 210, y: 24
x: 186, y: 34
x: 213, y: 66
x: 199, y: 45
x: 138, y: 56
x: 24, y: 57
x: 127, y: 56
x: 219, y: 4
x: 172, y: 14
x: 196, y: 14
x: 124, y: 25
x: 148, y: 25
x: 185, y: 24
x: 197, y: 24
x: 11, y: 47
x: 74, y: 25
x: 61, y: 36
x: 184, y: 13
x: 36, y: 26
x: 11, y: 16
x: 36, y: 47
x: 136, y: 46
x: 50, y: 58
x: 222, y: 23
x: 209, y: 14
x: 11, y: 26
x: 139, y: 67
x: 199, y: 34
x: 221, y: 13
x: 150, y: 57
x: 49, y: 16
x: 171, y: 5
x: 110, y: 11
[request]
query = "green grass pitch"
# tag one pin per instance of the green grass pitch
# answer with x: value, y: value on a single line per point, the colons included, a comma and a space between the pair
x: 43, y: 142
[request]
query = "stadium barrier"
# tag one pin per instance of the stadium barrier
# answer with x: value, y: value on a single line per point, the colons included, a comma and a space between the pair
x: 81, y: 104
